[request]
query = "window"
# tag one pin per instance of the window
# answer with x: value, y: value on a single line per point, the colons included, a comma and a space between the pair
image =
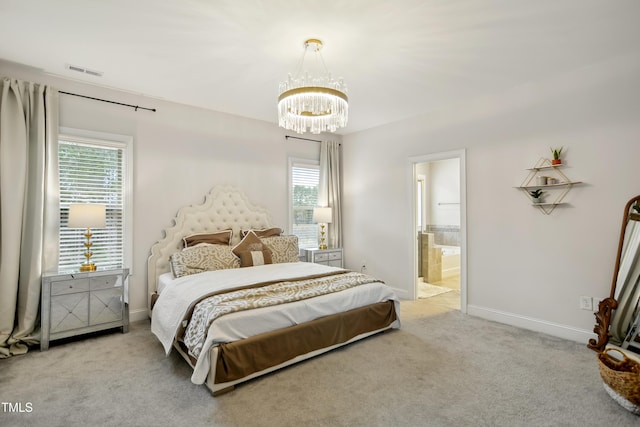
x: 304, y: 178
x: 95, y: 168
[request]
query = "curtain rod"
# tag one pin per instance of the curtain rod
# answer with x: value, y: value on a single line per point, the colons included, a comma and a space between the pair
x: 135, y: 107
x: 304, y: 139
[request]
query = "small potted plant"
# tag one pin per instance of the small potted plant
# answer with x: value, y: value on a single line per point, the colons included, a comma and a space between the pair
x: 556, y: 152
x: 536, y: 195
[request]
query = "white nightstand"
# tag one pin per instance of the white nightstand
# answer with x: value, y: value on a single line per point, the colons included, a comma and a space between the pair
x: 83, y: 302
x: 331, y: 256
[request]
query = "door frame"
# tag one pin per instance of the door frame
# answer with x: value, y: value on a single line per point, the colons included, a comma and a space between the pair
x: 426, y: 158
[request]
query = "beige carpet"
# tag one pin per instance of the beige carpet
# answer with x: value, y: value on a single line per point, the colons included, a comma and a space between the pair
x: 443, y: 368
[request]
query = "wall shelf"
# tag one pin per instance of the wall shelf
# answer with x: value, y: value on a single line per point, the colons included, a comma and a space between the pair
x: 563, y: 184
x: 557, y: 190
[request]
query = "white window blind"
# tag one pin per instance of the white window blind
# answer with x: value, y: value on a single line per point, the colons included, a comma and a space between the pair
x: 92, y: 173
x: 304, y: 191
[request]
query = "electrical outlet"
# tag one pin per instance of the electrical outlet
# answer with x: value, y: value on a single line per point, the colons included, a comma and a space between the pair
x: 586, y: 303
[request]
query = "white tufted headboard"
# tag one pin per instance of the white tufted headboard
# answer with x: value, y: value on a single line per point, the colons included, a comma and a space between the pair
x: 224, y: 208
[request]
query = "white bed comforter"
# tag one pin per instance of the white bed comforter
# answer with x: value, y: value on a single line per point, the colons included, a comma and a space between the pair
x: 177, y: 297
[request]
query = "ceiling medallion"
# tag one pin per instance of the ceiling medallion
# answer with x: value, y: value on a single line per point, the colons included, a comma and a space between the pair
x: 313, y: 103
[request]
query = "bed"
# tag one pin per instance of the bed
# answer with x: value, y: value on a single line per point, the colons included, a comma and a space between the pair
x: 229, y: 293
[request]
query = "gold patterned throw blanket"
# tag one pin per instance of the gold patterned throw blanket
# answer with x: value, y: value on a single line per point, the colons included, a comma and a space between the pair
x: 212, y: 307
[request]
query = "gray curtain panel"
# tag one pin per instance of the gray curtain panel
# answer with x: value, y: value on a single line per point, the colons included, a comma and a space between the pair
x: 330, y: 189
x: 28, y: 206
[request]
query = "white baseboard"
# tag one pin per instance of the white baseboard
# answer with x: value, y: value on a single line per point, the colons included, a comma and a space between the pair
x: 137, y: 315
x: 537, y: 325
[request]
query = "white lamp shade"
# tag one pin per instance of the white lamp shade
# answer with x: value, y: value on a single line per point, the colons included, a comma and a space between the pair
x: 87, y: 216
x: 323, y: 215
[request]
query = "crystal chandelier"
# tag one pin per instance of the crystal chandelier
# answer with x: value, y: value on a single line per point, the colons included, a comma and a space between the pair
x: 314, y: 103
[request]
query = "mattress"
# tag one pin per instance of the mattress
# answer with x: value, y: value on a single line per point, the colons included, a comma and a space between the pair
x: 177, y: 297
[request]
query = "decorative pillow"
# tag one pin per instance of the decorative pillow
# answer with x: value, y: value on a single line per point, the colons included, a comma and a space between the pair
x: 283, y: 248
x: 265, y: 232
x: 251, y: 258
x: 217, y: 238
x: 252, y: 251
x: 204, y: 257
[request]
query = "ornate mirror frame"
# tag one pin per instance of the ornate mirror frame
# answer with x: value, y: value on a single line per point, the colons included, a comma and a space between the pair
x: 607, y: 305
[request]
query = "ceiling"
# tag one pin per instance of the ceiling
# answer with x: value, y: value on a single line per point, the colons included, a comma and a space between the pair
x: 400, y: 58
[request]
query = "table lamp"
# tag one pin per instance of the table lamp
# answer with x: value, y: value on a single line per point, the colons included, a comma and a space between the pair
x: 322, y: 216
x: 87, y: 216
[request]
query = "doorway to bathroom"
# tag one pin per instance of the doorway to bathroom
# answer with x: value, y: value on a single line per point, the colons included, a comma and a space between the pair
x: 440, y: 243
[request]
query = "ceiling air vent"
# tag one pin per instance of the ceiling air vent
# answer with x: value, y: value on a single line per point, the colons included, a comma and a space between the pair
x: 84, y: 70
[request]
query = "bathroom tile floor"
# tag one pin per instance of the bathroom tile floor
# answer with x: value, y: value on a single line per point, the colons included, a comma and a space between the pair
x: 444, y: 301
x: 452, y: 282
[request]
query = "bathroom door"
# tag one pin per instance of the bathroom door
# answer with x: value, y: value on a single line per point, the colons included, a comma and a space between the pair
x: 439, y: 208
x: 420, y: 203
x: 420, y: 219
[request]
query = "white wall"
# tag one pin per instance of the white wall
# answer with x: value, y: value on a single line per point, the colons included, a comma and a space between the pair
x: 444, y: 187
x: 442, y: 191
x: 524, y: 268
x: 180, y: 153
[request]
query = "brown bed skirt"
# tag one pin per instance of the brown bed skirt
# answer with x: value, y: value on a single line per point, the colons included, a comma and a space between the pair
x: 239, y: 359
